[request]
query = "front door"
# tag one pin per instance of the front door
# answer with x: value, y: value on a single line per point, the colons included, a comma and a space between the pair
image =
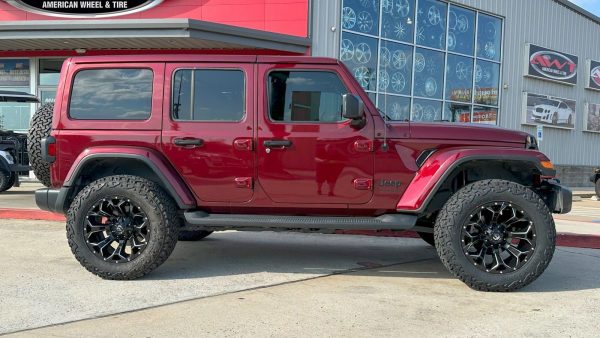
x: 307, y: 152
x: 208, y: 128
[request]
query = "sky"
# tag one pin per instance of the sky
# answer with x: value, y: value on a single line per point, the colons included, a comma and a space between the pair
x: 590, y: 5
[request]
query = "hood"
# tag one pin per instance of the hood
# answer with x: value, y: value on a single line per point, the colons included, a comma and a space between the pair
x: 466, y: 132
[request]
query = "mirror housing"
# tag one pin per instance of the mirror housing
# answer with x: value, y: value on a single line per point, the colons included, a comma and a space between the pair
x: 353, y: 108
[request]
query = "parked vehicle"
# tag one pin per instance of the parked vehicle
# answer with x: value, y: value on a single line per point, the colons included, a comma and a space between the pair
x: 14, y: 160
x: 553, y: 111
x: 595, y: 178
x: 143, y: 149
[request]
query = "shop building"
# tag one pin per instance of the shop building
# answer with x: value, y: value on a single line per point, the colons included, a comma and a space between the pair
x: 480, y: 61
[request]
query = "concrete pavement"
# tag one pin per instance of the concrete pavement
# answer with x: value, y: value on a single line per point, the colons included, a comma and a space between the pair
x: 269, y: 284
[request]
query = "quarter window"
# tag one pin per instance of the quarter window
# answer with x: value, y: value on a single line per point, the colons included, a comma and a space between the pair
x: 111, y: 94
x: 208, y: 95
x: 305, y: 96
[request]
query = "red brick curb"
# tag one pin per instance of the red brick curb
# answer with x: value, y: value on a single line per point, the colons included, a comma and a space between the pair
x: 563, y: 239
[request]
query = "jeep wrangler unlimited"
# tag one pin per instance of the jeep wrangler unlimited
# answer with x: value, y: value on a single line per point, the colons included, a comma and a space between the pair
x: 143, y: 150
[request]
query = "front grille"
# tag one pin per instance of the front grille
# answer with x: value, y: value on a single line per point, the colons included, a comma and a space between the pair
x: 20, y: 148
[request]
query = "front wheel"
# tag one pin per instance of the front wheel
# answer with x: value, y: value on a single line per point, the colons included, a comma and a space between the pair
x: 7, y: 179
x: 495, y: 235
x: 122, y: 227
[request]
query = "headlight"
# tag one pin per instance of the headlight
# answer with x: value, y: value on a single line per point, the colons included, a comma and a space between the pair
x: 531, y: 143
x: 8, y: 157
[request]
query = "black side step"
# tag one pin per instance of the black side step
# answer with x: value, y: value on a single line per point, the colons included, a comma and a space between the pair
x: 202, y: 220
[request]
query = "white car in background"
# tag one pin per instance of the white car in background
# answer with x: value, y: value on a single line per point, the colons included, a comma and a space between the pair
x: 553, y: 111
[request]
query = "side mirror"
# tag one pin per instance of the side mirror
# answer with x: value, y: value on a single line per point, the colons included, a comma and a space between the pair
x: 353, y: 109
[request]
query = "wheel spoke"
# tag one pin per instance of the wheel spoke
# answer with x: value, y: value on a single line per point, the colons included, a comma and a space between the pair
x: 498, y: 259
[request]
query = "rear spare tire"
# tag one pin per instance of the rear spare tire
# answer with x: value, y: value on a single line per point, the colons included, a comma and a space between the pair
x: 495, y: 235
x: 41, y: 124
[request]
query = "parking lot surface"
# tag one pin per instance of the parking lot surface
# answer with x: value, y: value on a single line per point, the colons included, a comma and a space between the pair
x: 283, y: 284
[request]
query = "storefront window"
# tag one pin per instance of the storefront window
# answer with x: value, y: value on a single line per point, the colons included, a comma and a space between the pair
x: 396, y: 107
x: 431, y: 24
x: 395, y: 68
x: 459, y: 78
x: 15, y: 76
x: 427, y: 54
x: 487, y: 77
x: 426, y: 110
x: 50, y: 72
x: 359, y: 53
x: 398, y: 20
x: 429, y: 73
x: 461, y: 31
x: 457, y: 112
x: 361, y: 16
x: 489, y: 37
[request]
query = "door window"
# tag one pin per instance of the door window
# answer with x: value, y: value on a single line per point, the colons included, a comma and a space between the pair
x: 305, y: 96
x: 208, y: 95
x: 111, y: 94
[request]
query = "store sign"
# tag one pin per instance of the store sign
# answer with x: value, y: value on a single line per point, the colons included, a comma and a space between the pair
x: 549, y: 111
x: 14, y: 73
x: 84, y: 8
x: 551, y: 65
x: 594, y: 75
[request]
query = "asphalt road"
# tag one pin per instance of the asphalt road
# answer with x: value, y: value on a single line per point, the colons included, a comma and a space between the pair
x: 283, y: 284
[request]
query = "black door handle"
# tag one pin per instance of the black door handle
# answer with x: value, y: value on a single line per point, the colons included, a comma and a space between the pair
x: 277, y: 143
x: 188, y: 142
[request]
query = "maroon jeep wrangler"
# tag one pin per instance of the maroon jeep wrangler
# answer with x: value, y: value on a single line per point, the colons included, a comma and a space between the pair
x: 140, y: 151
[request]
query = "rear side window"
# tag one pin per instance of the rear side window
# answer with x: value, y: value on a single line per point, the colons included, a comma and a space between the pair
x: 111, y: 94
x: 208, y: 95
x: 305, y: 96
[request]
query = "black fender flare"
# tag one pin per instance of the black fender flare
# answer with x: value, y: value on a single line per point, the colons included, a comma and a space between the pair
x: 169, y: 180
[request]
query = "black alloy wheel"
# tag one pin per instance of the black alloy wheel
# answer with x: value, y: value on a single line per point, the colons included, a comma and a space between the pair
x: 116, y: 229
x: 498, y: 238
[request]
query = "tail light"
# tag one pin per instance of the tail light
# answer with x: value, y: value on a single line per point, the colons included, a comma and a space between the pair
x: 49, y: 149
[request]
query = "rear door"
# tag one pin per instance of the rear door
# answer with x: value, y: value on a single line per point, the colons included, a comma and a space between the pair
x: 208, y: 128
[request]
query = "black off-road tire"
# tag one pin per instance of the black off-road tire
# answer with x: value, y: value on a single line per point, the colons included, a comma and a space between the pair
x: 598, y: 188
x: 193, y: 235
x: 7, y: 179
x: 41, y: 124
x: 456, y: 213
x: 427, y: 237
x: 159, y: 208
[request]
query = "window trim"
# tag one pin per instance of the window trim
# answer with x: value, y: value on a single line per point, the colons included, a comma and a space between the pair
x: 72, y: 86
x: 193, y: 69
x: 268, y: 93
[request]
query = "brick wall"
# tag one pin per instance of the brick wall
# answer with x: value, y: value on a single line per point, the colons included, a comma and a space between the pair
x: 575, y: 176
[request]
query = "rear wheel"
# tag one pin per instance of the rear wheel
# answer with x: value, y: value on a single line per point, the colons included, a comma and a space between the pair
x: 495, y: 235
x: 122, y: 227
x: 193, y: 235
x: 7, y: 179
x: 41, y: 124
